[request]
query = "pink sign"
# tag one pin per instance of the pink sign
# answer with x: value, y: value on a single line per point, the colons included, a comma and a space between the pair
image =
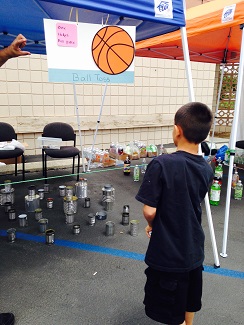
x: 66, y: 34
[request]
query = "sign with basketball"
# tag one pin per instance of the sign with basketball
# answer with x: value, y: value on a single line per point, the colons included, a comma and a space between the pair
x: 89, y: 53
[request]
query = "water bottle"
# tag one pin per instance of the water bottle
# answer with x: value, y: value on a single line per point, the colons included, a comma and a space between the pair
x: 127, y: 166
x: 162, y: 150
x: 136, y: 175
x: 235, y: 179
x: 215, y: 193
x: 238, y: 191
x: 144, y: 166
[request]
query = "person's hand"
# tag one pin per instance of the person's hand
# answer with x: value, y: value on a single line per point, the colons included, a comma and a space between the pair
x: 148, y: 230
x: 15, y: 48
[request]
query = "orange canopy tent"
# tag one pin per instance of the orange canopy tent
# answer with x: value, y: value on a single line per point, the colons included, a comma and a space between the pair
x: 209, y: 39
x: 215, y: 33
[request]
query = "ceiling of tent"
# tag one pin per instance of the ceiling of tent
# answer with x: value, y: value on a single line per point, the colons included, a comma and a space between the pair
x: 26, y: 17
x: 209, y: 39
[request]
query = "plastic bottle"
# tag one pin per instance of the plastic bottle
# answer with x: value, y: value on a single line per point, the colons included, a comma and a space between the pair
x: 143, y: 166
x: 235, y: 178
x: 218, y: 172
x: 227, y: 156
x: 127, y: 166
x: 215, y: 193
x: 162, y: 150
x: 238, y: 191
x: 136, y: 175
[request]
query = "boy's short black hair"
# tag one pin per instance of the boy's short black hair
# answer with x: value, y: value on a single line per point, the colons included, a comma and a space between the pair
x: 195, y: 119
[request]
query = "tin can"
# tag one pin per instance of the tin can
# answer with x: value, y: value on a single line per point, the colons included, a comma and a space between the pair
x: 49, y: 203
x: 62, y: 189
x: 50, y: 236
x: 38, y: 214
x: 7, y: 185
x: 76, y: 229
x: 109, y: 228
x: 70, y: 204
x: 126, y: 208
x: 6, y: 196
x: 87, y: 202
x: 125, y: 219
x: 11, y: 235
x: 41, y: 193
x: 101, y: 215
x: 134, y: 225
x: 7, y: 206
x: 108, y: 203
x: 69, y: 191
x: 11, y: 215
x: 91, y: 219
x: 46, y: 188
x: 23, y: 220
x: 81, y: 188
x: 31, y: 191
x: 69, y: 218
x: 43, y: 225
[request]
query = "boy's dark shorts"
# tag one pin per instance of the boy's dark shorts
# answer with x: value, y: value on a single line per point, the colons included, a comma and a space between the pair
x: 169, y: 295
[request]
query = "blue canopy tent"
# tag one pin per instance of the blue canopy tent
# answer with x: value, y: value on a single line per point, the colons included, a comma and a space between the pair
x: 151, y: 18
x: 26, y: 17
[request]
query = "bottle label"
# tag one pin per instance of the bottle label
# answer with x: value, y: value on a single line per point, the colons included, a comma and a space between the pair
x: 126, y: 168
x: 238, y: 193
x: 215, y: 195
x: 136, y: 174
x: 218, y: 173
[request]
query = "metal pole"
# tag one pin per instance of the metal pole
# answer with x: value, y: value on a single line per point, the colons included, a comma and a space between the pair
x: 192, y: 98
x: 233, y: 143
x: 79, y: 128
x: 98, y: 121
x: 217, y: 106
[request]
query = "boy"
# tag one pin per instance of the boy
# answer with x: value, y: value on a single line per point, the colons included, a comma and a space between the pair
x: 172, y: 190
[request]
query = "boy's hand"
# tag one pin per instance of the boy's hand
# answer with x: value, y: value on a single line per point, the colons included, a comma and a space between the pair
x: 148, y: 230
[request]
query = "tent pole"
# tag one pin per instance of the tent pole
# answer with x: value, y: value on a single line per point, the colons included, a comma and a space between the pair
x: 187, y: 63
x: 98, y: 121
x: 233, y: 143
x: 192, y: 98
x: 217, y: 106
x: 79, y: 128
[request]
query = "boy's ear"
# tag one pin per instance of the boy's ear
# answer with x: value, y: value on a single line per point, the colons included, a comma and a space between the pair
x: 177, y: 130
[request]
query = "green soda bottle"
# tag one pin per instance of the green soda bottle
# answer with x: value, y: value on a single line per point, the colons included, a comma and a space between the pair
x: 136, y: 174
x: 215, y: 193
x: 218, y: 172
x: 238, y: 191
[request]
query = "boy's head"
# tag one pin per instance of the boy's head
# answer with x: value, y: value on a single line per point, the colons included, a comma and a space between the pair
x: 195, y: 120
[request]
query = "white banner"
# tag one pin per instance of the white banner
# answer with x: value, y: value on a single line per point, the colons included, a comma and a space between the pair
x: 89, y: 53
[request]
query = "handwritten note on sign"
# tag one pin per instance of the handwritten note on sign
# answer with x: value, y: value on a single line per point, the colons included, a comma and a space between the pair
x: 66, y: 34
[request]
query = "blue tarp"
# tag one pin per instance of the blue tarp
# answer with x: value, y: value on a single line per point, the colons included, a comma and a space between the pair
x: 26, y: 17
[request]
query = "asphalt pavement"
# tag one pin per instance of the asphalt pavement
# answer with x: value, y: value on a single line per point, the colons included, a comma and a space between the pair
x: 93, y: 279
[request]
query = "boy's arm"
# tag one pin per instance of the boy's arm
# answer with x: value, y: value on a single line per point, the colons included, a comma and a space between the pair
x: 149, y: 214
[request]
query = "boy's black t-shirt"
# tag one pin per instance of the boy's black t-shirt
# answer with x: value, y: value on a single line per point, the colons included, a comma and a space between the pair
x: 176, y: 184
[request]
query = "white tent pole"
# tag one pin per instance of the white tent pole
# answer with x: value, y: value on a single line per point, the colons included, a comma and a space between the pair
x: 192, y: 98
x: 79, y: 128
x: 233, y: 144
x: 187, y: 63
x: 217, y: 106
x: 98, y: 121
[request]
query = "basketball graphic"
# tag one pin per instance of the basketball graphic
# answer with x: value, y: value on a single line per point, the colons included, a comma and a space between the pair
x: 112, y: 50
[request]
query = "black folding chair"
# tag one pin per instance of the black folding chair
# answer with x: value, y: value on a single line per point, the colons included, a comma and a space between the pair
x: 7, y: 133
x: 66, y: 133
